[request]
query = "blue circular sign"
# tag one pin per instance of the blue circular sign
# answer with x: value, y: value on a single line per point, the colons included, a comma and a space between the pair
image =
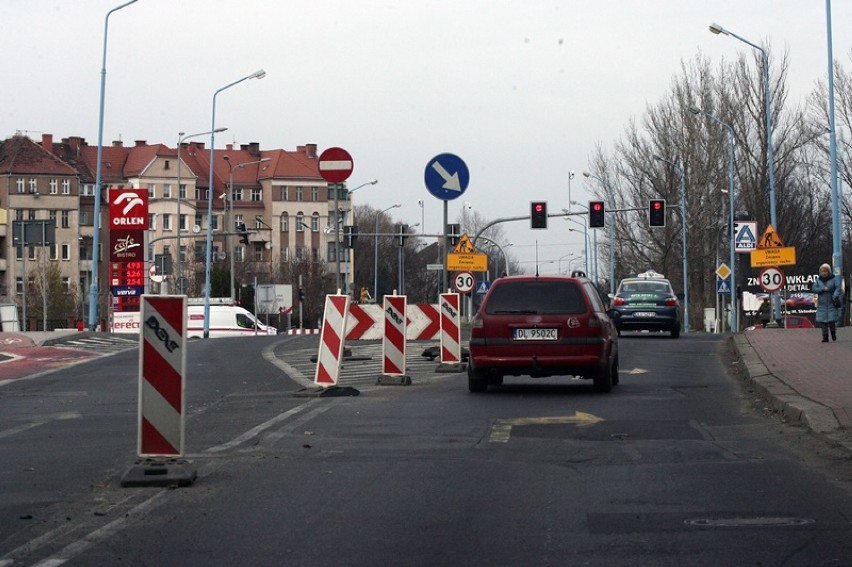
x: 446, y: 176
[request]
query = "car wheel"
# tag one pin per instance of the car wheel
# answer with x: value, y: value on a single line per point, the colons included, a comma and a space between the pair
x: 603, y: 378
x: 476, y: 382
x: 676, y: 332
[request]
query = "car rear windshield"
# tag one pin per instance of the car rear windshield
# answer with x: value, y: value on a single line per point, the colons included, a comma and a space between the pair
x: 536, y: 297
x: 645, y: 287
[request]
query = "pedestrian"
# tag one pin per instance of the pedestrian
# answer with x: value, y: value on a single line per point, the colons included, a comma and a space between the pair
x: 763, y: 312
x: 828, y: 302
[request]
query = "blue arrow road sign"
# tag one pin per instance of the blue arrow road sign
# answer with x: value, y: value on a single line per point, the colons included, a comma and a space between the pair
x: 446, y: 176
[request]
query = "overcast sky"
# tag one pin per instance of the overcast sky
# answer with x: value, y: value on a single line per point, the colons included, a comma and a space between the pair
x: 522, y: 91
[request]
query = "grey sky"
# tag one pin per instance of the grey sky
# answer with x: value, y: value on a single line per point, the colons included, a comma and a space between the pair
x: 521, y: 90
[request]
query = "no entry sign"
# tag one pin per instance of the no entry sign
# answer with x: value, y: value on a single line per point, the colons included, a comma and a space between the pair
x: 335, y: 165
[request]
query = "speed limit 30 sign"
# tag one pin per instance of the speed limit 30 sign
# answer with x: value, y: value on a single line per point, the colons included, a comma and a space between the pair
x: 464, y: 282
x: 771, y: 279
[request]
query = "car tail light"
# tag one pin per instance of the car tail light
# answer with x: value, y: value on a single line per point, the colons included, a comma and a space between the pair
x: 594, y: 322
x: 671, y: 302
x: 617, y: 301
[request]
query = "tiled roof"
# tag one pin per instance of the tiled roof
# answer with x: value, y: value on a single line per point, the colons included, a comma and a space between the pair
x: 21, y: 155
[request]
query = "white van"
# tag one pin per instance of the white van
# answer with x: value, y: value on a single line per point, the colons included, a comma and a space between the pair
x: 225, y: 321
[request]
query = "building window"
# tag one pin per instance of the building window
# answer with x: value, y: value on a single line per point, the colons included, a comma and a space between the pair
x: 285, y: 193
x: 66, y: 284
x: 199, y: 219
x: 167, y: 190
x: 19, y: 285
x: 315, y: 194
x: 257, y: 195
x: 66, y: 251
x: 236, y: 194
x: 20, y: 185
x: 31, y: 214
x: 167, y: 222
x: 183, y: 254
x: 152, y: 191
x: 315, y: 222
x: 152, y: 221
x: 33, y: 185
x: 182, y: 191
x: 54, y: 252
x: 285, y: 254
x: 300, y: 253
x: 300, y: 223
x: 258, y: 252
x: 54, y: 186
x: 88, y: 190
x: 66, y: 219
x: 285, y: 222
x: 52, y: 216
x: 84, y: 218
x: 238, y: 219
x: 240, y: 253
x: 166, y: 165
x: 182, y: 222
x: 300, y: 192
x: 66, y: 186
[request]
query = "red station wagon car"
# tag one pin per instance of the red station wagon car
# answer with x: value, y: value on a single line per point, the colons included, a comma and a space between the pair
x: 542, y: 326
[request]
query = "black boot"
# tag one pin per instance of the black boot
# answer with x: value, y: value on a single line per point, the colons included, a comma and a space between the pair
x: 824, y: 334
x: 833, y: 333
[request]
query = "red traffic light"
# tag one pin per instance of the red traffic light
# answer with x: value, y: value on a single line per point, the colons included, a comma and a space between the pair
x: 597, y: 206
x: 538, y: 207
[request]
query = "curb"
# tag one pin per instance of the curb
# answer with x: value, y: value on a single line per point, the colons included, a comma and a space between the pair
x: 782, y: 398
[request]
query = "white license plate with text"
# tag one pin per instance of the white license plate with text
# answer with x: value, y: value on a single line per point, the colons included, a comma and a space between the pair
x: 535, y: 335
x: 644, y: 314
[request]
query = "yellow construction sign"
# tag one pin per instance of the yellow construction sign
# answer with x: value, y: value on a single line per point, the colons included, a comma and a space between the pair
x: 770, y: 239
x: 465, y: 257
x: 771, y: 257
x: 464, y: 245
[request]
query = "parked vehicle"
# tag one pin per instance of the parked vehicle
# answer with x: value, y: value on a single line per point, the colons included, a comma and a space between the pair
x: 646, y: 303
x: 542, y: 326
x: 226, y: 320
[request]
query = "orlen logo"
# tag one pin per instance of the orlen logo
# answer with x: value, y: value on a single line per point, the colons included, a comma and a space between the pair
x: 128, y: 208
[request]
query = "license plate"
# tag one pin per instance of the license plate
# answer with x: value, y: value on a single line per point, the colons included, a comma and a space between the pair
x: 535, y: 335
x: 644, y: 314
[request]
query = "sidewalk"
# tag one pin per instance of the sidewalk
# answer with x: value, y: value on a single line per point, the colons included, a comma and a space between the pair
x: 809, y: 381
x: 38, y: 338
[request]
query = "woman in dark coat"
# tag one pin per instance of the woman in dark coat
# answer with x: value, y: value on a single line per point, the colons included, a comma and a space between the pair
x: 829, y: 295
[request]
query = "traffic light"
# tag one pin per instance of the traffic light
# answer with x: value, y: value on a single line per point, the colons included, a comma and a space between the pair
x: 301, y: 295
x: 656, y: 212
x: 350, y: 235
x: 453, y: 234
x: 241, y: 228
x: 597, y: 214
x: 538, y: 214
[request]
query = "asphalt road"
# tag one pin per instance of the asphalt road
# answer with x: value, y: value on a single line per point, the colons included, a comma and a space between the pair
x: 674, y: 467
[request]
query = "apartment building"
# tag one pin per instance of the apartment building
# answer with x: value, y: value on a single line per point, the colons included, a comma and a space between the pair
x: 278, y: 194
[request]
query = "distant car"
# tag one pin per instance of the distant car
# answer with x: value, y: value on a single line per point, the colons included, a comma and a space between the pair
x: 646, y: 303
x: 541, y: 326
x: 800, y: 301
x: 788, y: 322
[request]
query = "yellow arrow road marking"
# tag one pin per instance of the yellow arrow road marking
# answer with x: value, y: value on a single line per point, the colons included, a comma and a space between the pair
x: 502, y: 428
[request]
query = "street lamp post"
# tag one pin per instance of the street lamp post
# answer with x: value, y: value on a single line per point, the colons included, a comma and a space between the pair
x: 93, y: 288
x: 376, y: 252
x: 734, y: 307
x: 208, y: 259
x: 683, y: 236
x: 229, y: 205
x: 837, y: 255
x: 611, y: 231
x: 181, y: 138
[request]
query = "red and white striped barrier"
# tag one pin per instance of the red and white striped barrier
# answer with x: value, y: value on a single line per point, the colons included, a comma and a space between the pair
x: 162, y: 371
x: 303, y: 332
x: 332, y: 340
x: 450, y: 328
x: 366, y: 322
x: 393, y: 345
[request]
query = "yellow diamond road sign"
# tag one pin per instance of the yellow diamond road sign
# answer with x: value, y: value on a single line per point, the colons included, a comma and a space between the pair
x: 723, y: 271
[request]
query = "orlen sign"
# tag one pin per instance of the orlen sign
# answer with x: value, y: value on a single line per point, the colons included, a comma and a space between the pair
x: 128, y: 209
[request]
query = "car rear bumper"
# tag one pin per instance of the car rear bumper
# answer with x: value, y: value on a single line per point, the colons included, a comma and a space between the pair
x: 539, y: 360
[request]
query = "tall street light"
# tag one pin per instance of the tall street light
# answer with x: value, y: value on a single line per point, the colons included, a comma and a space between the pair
x: 229, y: 204
x: 337, y: 221
x: 611, y: 231
x: 836, y: 253
x: 93, y: 289
x: 683, y: 234
x: 734, y: 309
x: 181, y: 138
x: 770, y: 158
x: 209, y: 259
x: 376, y: 252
